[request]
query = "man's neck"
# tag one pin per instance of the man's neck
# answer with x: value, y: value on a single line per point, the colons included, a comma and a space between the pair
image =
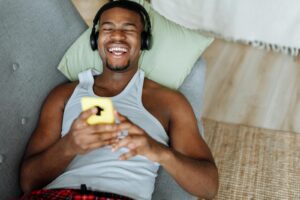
x: 111, y: 83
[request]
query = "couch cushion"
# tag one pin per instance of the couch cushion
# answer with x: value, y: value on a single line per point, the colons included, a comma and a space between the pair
x: 33, y: 36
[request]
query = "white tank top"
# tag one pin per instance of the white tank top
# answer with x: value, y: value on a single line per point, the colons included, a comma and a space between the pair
x: 101, y: 169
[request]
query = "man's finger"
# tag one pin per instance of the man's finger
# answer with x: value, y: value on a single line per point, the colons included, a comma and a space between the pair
x: 103, y: 128
x: 96, y: 141
x: 79, y: 124
x: 128, y: 155
x: 107, y: 136
x: 129, y: 142
x: 87, y: 113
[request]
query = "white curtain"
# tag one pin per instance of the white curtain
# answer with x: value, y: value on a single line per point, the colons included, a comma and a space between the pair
x: 275, y: 22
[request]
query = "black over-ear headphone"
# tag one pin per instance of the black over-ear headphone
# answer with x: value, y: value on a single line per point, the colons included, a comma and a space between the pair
x: 146, y: 37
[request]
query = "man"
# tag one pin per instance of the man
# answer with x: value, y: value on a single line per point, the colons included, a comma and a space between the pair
x: 65, y: 153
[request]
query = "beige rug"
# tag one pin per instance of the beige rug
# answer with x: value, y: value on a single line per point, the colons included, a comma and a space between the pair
x: 255, y: 163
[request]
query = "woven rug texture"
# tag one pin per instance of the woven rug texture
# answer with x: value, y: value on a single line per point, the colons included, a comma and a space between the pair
x: 255, y: 163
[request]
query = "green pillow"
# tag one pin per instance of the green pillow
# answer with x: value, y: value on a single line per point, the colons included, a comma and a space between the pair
x: 174, y: 51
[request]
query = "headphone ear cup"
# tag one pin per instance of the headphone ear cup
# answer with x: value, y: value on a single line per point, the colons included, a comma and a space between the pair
x: 145, y: 41
x: 94, y: 40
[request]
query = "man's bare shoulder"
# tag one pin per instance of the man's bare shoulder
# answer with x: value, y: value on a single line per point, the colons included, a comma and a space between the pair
x: 167, y: 105
x: 62, y: 92
x: 158, y: 88
x: 66, y: 87
x: 168, y: 97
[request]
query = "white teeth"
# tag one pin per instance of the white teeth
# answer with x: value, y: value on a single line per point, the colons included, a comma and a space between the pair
x: 117, y: 49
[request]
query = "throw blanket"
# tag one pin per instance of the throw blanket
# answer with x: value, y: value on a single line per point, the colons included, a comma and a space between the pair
x: 272, y: 24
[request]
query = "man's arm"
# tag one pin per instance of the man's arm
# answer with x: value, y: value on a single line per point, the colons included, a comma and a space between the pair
x: 188, y: 159
x: 47, y: 154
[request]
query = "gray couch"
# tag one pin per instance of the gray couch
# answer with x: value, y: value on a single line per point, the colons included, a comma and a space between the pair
x: 34, y: 34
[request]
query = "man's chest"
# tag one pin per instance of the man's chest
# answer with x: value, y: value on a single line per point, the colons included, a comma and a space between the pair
x: 157, y: 108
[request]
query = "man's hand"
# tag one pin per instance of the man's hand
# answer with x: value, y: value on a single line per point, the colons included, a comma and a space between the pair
x: 138, y: 142
x: 83, y: 137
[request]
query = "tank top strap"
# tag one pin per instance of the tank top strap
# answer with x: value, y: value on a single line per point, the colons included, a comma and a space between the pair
x: 86, y: 78
x: 139, y: 83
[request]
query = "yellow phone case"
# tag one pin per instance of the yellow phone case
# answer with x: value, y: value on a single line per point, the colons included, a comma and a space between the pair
x: 105, y: 112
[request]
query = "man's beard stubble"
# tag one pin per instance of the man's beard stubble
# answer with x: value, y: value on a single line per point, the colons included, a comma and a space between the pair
x: 117, y: 68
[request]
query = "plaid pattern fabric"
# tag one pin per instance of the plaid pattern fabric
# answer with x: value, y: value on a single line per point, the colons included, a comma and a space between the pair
x: 70, y: 194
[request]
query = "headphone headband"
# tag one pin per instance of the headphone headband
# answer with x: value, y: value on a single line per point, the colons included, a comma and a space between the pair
x: 146, y: 36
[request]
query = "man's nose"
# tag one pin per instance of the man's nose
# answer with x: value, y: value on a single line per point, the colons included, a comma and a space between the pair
x: 118, y: 35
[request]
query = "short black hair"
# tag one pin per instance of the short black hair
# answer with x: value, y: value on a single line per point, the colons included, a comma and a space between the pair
x: 126, y: 4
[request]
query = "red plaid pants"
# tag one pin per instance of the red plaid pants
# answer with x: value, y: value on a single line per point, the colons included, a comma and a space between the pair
x: 71, y: 194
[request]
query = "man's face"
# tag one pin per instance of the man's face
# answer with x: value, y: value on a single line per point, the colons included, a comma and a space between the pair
x: 119, y: 40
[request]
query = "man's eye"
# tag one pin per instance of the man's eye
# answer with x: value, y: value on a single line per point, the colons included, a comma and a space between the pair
x: 107, y: 29
x: 130, y: 30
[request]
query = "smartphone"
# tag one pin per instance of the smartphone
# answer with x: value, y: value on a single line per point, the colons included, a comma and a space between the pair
x: 105, y: 114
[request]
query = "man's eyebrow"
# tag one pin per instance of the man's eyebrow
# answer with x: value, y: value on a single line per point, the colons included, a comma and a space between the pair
x: 125, y: 24
x: 106, y: 23
x: 130, y: 24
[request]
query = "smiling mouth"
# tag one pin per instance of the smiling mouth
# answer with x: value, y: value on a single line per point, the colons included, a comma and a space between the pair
x: 117, y: 51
